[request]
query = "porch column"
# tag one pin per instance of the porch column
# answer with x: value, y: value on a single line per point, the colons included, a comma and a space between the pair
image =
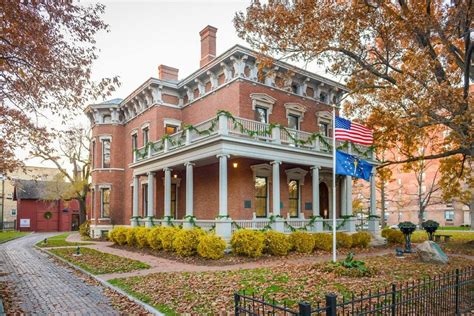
x: 167, y: 192
x: 189, y: 194
x: 318, y: 224
x: 134, y: 220
x: 278, y: 225
x: 223, y: 221
x: 373, y: 222
x: 315, y: 173
x: 151, y: 199
x: 343, y: 196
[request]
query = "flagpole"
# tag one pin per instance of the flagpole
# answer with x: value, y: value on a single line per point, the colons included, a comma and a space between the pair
x: 334, y: 183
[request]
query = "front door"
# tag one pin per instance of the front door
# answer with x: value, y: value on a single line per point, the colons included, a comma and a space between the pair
x: 324, y: 200
x: 75, y: 222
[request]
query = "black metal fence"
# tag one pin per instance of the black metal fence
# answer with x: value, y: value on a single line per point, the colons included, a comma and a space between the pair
x: 7, y: 225
x: 448, y: 294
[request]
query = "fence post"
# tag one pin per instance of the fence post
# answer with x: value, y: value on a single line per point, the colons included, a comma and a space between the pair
x: 304, y: 309
x: 331, y: 301
x: 236, y: 304
x: 394, y: 299
x: 457, y: 293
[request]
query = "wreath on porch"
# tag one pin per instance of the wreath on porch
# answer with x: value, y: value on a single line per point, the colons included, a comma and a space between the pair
x: 48, y: 215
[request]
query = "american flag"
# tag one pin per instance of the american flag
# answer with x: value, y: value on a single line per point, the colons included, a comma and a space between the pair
x: 347, y: 130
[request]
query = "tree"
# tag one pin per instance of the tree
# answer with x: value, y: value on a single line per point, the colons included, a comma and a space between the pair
x: 74, y: 148
x: 46, y: 52
x: 407, y: 63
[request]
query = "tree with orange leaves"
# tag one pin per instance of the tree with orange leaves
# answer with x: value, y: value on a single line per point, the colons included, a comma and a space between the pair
x: 407, y: 63
x: 46, y: 52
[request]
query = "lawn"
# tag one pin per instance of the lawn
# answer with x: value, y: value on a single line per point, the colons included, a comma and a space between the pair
x: 454, y: 228
x: 9, y: 235
x: 59, y: 241
x: 421, y: 235
x: 97, y: 262
x: 212, y: 292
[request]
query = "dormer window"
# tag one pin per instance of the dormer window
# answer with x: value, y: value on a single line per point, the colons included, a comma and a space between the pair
x: 106, y: 119
x: 323, y: 97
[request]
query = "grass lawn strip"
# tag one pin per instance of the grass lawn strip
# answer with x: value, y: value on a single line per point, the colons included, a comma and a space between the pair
x: 212, y: 292
x: 59, y: 241
x: 10, y: 235
x: 421, y: 235
x: 97, y: 262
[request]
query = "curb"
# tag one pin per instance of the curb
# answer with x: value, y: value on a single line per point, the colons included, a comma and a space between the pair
x: 149, y: 308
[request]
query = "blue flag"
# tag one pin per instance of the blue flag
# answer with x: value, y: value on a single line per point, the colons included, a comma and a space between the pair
x: 352, y: 166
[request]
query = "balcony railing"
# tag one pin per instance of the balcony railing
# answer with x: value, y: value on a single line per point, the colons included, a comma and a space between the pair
x: 245, y: 129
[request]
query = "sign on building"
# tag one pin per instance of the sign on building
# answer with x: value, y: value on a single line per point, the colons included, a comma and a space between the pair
x: 24, y: 222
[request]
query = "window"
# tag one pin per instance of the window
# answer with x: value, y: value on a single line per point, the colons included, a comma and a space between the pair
x: 13, y: 212
x: 261, y: 196
x: 294, y: 196
x: 324, y: 129
x: 173, y: 200
x: 323, y: 97
x: 170, y: 129
x: 106, y: 153
x: 105, y: 202
x: 449, y: 215
x: 134, y: 142
x: 145, y: 136
x: 93, y: 203
x: 106, y: 119
x: 144, y: 199
x: 293, y: 122
x: 261, y: 115
x: 93, y: 155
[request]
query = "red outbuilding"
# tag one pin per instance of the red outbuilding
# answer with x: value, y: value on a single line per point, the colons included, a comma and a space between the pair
x: 37, y: 211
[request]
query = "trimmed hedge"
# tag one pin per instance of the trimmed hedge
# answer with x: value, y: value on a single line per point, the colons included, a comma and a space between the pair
x: 343, y: 240
x: 302, y: 241
x: 211, y: 247
x: 276, y: 243
x: 186, y: 241
x: 249, y: 243
x: 361, y: 239
x: 395, y: 236
x: 322, y: 241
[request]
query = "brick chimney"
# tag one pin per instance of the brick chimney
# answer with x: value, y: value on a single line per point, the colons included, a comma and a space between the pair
x: 167, y: 73
x: 208, y: 44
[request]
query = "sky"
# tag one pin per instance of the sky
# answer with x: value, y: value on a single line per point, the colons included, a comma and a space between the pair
x: 145, y: 34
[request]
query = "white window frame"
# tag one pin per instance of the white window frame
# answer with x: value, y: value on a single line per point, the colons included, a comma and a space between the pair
x: 102, y: 139
x: 101, y: 190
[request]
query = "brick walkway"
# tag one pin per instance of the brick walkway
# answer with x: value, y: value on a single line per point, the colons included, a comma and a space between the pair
x: 44, y: 288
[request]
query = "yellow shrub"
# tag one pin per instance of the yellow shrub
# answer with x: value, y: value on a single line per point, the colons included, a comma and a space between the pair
x: 395, y: 237
x: 167, y: 236
x: 154, y: 238
x: 322, y: 241
x: 248, y: 242
x: 343, y: 240
x: 277, y: 243
x: 302, y: 241
x: 131, y: 238
x: 141, y: 234
x: 361, y: 239
x: 118, y: 235
x: 186, y: 241
x: 386, y: 231
x: 211, y: 247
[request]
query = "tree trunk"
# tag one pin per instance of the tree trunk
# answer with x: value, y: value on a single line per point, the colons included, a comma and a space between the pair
x: 82, y: 209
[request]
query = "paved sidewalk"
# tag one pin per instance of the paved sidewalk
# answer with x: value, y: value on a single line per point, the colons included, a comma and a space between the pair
x: 44, y: 288
x: 158, y: 264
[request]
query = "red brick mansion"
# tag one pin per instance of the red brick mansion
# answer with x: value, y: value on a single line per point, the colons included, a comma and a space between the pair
x: 231, y: 145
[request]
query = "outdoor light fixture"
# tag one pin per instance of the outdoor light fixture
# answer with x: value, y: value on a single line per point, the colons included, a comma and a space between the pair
x: 175, y: 176
x: 235, y: 164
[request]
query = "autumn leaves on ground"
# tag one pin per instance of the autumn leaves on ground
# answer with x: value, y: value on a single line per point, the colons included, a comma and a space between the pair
x: 212, y: 292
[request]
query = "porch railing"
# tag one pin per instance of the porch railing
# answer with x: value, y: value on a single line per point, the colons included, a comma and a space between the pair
x: 238, y: 127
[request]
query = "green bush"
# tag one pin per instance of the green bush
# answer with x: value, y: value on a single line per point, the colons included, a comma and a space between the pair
x: 395, y: 237
x: 186, y: 241
x: 248, y: 243
x: 131, y: 238
x: 322, y: 241
x: 277, y: 243
x: 141, y: 236
x: 302, y: 241
x: 85, y: 229
x: 118, y: 235
x: 167, y: 237
x: 211, y: 247
x: 361, y: 239
x: 343, y: 240
x: 154, y: 238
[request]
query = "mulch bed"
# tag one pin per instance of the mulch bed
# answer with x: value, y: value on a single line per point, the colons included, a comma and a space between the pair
x: 231, y: 259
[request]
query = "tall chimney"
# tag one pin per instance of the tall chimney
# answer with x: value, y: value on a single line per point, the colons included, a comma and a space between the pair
x: 167, y: 73
x: 208, y: 44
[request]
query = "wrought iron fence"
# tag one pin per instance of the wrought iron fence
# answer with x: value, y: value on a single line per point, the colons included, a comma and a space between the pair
x: 448, y: 294
x: 8, y: 225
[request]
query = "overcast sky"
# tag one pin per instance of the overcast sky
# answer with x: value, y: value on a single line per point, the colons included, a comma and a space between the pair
x: 145, y: 34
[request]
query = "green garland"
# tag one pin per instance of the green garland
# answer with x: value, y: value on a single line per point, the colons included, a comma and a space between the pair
x: 169, y: 220
x: 142, y: 153
x: 191, y: 219
x: 344, y: 220
x: 373, y: 216
x: 304, y: 227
